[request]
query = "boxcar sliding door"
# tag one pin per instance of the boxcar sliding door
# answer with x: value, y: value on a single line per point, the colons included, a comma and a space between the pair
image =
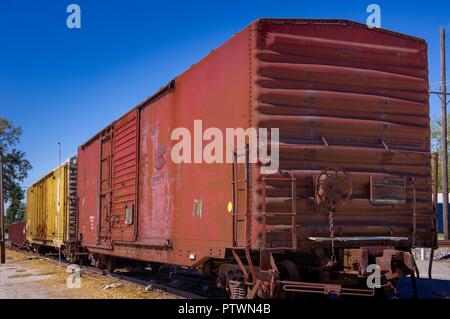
x: 124, y: 178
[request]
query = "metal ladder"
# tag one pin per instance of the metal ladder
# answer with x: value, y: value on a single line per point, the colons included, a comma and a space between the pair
x: 245, y: 217
x: 244, y: 245
x: 72, y: 199
x: 241, y: 217
x: 292, y: 228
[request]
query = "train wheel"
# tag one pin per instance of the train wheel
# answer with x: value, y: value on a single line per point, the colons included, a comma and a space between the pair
x: 210, y: 268
x: 105, y: 262
x: 111, y: 264
x: 40, y: 249
x: 288, y: 271
x: 153, y: 268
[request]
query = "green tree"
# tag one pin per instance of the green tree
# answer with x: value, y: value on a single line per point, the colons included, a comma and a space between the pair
x: 436, y: 134
x: 15, y: 167
x: 436, y: 146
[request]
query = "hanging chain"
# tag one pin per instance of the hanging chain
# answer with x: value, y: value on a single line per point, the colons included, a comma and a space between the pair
x: 331, y: 224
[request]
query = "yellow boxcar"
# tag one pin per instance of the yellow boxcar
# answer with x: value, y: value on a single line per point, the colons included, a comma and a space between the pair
x: 51, y: 209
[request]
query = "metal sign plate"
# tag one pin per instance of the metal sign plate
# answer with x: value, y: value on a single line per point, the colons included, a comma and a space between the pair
x: 387, y: 190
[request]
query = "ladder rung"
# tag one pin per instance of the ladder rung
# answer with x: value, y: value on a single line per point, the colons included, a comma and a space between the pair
x: 282, y: 179
x: 278, y: 213
x: 278, y: 227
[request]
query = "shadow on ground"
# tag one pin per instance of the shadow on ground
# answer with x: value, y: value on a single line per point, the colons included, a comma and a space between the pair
x: 426, y: 289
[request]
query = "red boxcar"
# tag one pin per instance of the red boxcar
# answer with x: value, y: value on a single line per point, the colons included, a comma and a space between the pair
x: 342, y: 95
x: 16, y: 234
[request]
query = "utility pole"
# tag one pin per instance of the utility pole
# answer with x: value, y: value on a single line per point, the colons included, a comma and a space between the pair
x: 58, y: 203
x: 444, y: 136
x: 2, y: 214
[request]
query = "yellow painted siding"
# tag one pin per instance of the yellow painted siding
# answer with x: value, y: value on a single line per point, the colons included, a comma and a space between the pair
x: 45, y: 226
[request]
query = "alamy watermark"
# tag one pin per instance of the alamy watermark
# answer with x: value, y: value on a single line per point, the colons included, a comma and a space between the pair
x: 73, y: 21
x: 222, y: 146
x: 374, y: 279
x: 73, y: 280
x: 374, y: 19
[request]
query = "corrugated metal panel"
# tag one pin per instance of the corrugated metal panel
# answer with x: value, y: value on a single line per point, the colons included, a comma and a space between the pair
x: 124, y: 176
x: 47, y: 208
x: 354, y: 89
x: 16, y: 234
x: 107, y: 184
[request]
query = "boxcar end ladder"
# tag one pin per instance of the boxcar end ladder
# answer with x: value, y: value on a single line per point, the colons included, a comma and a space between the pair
x: 292, y: 228
x: 266, y: 261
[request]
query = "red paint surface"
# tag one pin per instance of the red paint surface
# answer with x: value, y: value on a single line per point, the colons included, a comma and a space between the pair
x: 355, y: 87
x: 88, y: 191
x: 16, y: 234
x: 312, y: 79
x: 124, y: 175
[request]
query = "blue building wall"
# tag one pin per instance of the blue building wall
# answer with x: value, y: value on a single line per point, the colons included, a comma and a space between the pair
x: 440, y: 218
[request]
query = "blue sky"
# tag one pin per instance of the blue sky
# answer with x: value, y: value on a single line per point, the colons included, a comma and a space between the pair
x: 63, y: 85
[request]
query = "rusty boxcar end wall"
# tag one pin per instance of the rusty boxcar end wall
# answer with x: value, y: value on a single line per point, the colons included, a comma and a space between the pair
x: 347, y: 96
x: 341, y: 94
x: 16, y: 234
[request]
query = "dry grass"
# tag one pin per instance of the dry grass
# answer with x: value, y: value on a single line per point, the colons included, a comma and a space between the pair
x: 91, y: 284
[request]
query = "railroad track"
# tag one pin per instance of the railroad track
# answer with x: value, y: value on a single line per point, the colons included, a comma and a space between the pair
x: 159, y: 286
x: 163, y: 281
